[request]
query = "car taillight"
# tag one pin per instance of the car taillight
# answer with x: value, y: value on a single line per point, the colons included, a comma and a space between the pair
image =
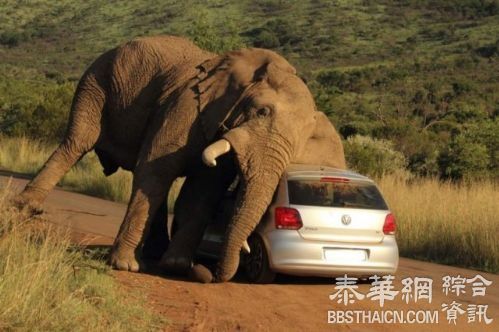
x: 389, y: 227
x: 287, y: 218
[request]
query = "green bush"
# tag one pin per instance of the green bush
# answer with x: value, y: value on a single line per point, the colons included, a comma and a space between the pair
x: 12, y: 38
x: 472, y: 153
x: 271, y: 6
x: 266, y: 39
x: 463, y: 159
x: 489, y: 50
x: 275, y: 33
x: 44, y: 118
x: 355, y: 80
x: 373, y: 157
x: 468, y: 9
x: 213, y: 38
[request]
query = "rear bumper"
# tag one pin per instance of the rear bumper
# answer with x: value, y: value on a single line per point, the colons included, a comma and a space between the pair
x: 289, y: 253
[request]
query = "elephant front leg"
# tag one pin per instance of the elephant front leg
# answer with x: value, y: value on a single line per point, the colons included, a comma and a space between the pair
x: 180, y: 254
x: 148, y: 194
x: 195, y: 208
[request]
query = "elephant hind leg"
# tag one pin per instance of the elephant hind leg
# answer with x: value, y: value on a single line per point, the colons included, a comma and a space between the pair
x: 83, y: 132
x: 59, y: 163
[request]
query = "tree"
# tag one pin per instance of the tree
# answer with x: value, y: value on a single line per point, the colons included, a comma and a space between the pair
x: 46, y: 119
x: 463, y: 159
x: 373, y: 157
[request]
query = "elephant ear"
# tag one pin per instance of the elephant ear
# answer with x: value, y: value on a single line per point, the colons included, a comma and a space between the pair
x: 223, y: 79
x: 323, y: 147
x: 213, y: 84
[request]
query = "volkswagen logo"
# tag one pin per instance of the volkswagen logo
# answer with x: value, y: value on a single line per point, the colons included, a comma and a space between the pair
x: 346, y: 219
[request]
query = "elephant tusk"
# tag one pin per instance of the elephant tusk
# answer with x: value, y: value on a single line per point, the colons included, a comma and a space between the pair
x: 246, y: 247
x: 215, y: 150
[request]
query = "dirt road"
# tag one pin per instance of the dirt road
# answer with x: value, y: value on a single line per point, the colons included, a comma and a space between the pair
x: 292, y: 304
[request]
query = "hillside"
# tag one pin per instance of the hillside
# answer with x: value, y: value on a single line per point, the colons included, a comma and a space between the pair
x: 421, y: 74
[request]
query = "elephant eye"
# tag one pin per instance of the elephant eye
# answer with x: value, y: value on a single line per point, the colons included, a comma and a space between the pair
x: 263, y: 112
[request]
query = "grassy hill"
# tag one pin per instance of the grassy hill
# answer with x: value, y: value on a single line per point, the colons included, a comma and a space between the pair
x: 421, y: 74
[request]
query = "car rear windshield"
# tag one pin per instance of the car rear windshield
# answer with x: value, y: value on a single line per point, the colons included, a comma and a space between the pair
x: 346, y: 194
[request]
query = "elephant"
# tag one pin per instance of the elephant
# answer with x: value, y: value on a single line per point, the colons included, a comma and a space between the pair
x: 163, y: 108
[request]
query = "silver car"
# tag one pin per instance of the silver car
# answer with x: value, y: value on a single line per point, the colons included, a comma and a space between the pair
x: 321, y: 222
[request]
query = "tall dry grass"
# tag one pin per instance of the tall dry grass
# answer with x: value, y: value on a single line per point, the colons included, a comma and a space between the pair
x: 438, y: 221
x: 27, y: 156
x: 46, y: 284
x: 455, y: 224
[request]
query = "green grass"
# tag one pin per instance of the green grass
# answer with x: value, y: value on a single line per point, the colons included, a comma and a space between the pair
x: 342, y: 33
x: 49, y: 284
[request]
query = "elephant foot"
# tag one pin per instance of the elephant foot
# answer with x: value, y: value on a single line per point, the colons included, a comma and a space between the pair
x: 124, y: 260
x: 32, y: 204
x: 201, y: 274
x: 176, y: 264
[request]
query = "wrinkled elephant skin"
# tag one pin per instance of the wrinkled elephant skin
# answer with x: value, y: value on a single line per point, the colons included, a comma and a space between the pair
x: 154, y: 104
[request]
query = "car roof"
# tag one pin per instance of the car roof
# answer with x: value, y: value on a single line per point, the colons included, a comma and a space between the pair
x: 318, y: 171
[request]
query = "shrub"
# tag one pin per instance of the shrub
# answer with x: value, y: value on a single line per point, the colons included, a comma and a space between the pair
x: 266, y: 39
x: 206, y: 35
x: 473, y: 152
x: 12, y: 38
x: 274, y: 33
x: 46, y: 119
x: 464, y: 112
x: 271, y: 6
x: 489, y: 50
x: 354, y: 80
x: 374, y: 157
x: 460, y: 88
x: 463, y: 159
x: 285, y: 30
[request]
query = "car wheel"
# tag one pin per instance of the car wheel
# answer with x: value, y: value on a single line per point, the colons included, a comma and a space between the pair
x: 256, y: 264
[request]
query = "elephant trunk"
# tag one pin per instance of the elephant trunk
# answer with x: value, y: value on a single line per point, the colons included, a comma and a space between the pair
x: 253, y: 199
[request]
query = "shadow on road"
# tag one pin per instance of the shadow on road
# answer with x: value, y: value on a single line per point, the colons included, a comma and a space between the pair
x: 150, y: 267
x: 15, y: 175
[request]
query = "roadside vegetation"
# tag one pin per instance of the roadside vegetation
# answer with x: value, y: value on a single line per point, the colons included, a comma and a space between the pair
x: 449, y: 222
x: 411, y: 86
x: 49, y: 284
x: 418, y: 74
x: 26, y: 156
x: 445, y: 222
